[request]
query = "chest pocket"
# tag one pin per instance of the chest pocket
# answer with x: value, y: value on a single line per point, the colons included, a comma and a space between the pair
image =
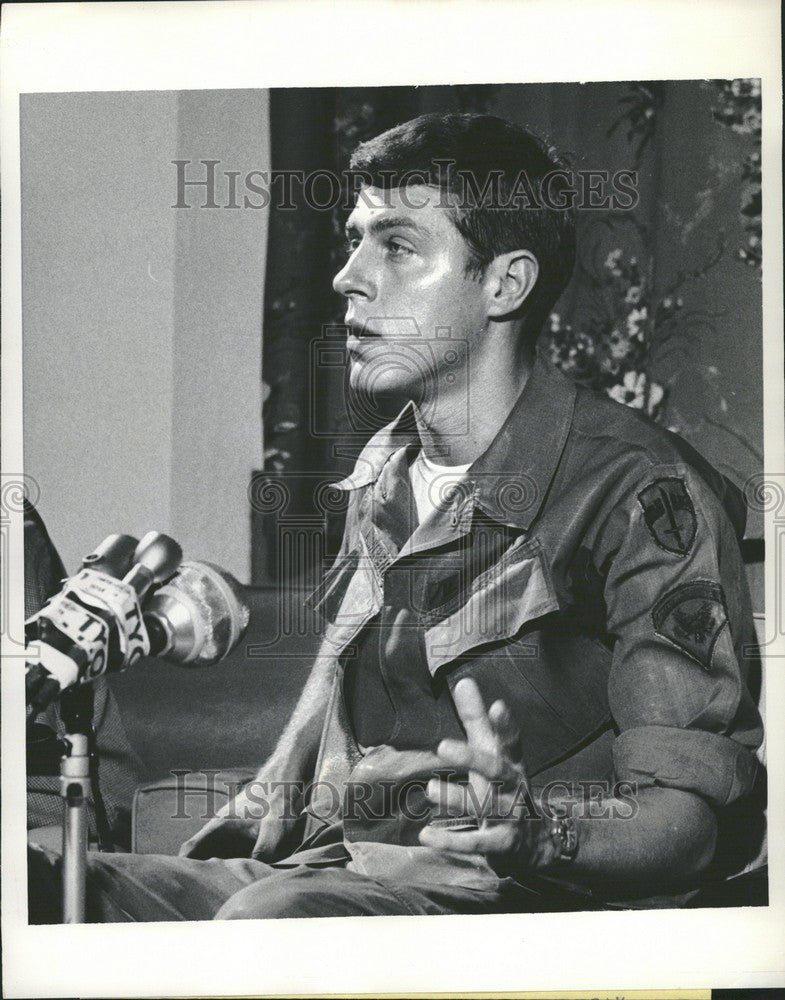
x: 493, y: 607
x: 508, y: 631
x: 555, y: 684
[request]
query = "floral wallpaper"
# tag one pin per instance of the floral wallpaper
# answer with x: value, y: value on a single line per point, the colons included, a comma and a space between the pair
x: 615, y: 339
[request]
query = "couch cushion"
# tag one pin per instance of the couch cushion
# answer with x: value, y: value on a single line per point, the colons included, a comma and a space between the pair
x: 167, y: 812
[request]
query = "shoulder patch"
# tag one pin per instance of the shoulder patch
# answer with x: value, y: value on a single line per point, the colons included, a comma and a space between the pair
x: 692, y: 616
x: 669, y: 514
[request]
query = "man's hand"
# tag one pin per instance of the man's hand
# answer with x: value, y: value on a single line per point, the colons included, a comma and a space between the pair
x: 497, y: 792
x: 256, y: 823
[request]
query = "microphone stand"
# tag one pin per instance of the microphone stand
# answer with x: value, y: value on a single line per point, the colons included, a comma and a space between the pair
x: 155, y: 558
x: 76, y: 708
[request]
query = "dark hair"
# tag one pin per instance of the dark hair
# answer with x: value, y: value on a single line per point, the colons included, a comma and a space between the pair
x: 485, y: 161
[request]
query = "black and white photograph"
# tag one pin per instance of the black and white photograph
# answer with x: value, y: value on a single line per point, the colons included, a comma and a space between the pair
x: 392, y: 506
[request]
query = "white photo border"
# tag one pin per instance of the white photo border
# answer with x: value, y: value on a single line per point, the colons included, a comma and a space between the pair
x: 159, y: 46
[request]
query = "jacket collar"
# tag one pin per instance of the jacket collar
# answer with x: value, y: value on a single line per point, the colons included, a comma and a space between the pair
x: 377, y: 452
x: 513, y: 475
x: 510, y: 480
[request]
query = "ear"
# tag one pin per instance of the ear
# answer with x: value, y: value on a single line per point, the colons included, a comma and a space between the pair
x: 510, y: 277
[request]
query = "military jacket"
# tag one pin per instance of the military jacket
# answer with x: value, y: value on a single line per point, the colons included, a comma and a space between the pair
x: 586, y: 571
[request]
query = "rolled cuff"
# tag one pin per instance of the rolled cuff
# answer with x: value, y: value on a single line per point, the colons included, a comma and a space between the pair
x: 715, y: 767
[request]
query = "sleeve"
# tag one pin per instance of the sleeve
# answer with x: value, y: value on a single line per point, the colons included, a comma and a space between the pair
x: 679, y: 611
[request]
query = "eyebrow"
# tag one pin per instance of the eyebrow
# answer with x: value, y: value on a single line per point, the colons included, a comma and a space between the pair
x: 387, y: 222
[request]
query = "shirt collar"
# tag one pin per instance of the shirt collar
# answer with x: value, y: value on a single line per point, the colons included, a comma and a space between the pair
x: 511, y: 478
x: 382, y: 446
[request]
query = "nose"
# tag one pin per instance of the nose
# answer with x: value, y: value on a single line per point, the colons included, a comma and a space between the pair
x: 354, y: 278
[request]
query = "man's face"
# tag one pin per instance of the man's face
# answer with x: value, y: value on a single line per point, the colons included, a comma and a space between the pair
x: 413, y: 312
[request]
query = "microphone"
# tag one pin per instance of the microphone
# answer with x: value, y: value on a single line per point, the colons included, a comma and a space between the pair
x: 197, y: 617
x: 113, y: 556
x: 156, y: 557
x: 95, y: 623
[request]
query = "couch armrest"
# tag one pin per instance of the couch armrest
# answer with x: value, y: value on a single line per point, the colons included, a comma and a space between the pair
x: 166, y: 813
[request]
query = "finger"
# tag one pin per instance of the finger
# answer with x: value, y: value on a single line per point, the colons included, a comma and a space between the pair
x: 482, y: 801
x: 505, y: 728
x: 471, y: 709
x: 449, y: 798
x: 489, y: 762
x: 498, y: 838
x: 455, y: 753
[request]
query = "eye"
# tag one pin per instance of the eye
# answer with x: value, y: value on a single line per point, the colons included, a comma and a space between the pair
x: 350, y: 245
x: 395, y: 248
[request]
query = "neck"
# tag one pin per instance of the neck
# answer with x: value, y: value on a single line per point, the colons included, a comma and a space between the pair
x: 459, y: 424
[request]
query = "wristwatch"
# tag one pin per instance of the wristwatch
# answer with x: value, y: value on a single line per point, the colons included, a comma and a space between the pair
x: 564, y: 835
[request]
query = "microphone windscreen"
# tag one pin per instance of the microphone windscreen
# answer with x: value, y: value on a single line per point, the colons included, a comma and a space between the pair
x: 205, y: 613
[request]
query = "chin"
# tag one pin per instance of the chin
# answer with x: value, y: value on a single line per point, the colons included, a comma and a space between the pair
x: 383, y: 377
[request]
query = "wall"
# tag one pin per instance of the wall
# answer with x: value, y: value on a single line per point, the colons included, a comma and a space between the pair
x: 141, y: 322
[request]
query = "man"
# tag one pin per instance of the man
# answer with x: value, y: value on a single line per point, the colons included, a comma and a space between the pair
x: 531, y: 692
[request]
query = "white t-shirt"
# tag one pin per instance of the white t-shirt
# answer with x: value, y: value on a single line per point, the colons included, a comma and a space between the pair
x: 432, y: 484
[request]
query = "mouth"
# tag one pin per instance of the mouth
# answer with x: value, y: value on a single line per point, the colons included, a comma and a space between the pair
x: 358, y: 335
x: 359, y: 331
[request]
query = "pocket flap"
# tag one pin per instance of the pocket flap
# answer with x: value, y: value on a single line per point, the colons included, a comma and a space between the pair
x: 496, y: 605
